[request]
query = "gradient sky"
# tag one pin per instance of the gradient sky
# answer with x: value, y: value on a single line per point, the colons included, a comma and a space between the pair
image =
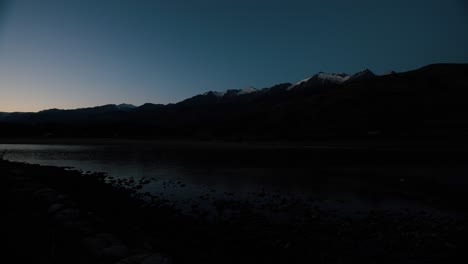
x: 69, y: 54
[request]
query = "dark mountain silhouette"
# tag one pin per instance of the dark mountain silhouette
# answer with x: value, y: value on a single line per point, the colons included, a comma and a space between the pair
x: 429, y: 102
x: 362, y: 75
x: 229, y: 96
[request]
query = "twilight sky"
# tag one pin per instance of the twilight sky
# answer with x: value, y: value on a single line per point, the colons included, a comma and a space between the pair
x: 79, y: 53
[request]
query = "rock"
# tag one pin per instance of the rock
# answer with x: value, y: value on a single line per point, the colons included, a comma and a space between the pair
x: 136, y: 259
x: 79, y: 227
x: 55, y: 208
x: 105, y: 246
x: 45, y: 195
x: 146, y: 259
x: 95, y: 244
x: 62, y: 197
x: 65, y: 215
x: 115, y: 251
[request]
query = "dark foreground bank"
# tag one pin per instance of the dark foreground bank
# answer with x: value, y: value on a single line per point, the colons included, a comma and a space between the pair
x: 56, y: 215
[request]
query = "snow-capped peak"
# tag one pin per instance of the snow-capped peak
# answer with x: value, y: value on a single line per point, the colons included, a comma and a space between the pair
x: 247, y: 90
x: 298, y: 83
x: 333, y: 77
x: 219, y: 94
x: 322, y: 77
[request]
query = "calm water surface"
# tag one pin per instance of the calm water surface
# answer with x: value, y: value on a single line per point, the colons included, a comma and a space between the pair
x: 343, y: 180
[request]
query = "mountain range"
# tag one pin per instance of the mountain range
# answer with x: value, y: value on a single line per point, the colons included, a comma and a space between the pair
x: 427, y: 102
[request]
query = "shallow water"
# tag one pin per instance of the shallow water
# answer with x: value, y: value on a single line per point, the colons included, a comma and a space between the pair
x: 345, y: 181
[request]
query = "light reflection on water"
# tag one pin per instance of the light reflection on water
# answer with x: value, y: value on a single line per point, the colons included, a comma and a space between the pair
x: 182, y: 179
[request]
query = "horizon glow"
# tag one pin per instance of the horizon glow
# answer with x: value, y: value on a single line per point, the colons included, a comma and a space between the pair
x: 72, y: 54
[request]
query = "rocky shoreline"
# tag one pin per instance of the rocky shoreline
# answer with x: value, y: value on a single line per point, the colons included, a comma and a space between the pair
x: 58, y: 215
x: 47, y: 225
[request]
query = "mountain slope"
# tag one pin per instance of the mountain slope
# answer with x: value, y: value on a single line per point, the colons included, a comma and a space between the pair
x: 425, y: 103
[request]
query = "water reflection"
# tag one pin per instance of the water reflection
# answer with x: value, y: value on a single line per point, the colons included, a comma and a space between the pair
x: 344, y: 180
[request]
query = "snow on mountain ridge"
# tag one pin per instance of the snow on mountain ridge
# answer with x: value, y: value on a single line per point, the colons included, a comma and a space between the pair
x: 316, y: 80
x: 322, y: 77
x: 299, y: 82
x: 247, y: 90
x: 215, y: 93
x: 334, y: 78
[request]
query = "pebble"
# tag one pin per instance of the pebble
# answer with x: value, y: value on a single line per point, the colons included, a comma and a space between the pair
x: 146, y: 259
x: 105, y: 246
x: 55, y: 207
